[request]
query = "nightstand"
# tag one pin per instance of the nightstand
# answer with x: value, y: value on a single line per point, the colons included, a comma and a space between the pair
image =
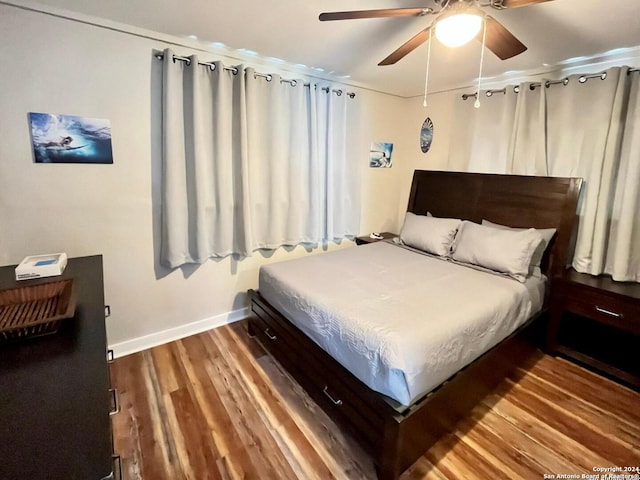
x: 596, y: 321
x: 367, y: 239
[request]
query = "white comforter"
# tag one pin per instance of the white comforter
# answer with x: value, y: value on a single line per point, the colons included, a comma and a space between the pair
x: 400, y: 321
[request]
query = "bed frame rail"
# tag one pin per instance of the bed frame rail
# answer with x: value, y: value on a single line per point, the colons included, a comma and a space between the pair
x: 394, y: 440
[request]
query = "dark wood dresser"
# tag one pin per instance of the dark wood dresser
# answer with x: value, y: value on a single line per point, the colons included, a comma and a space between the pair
x: 596, y: 321
x: 55, y: 398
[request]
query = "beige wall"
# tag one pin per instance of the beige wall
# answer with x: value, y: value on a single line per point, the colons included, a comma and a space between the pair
x: 61, y: 66
x: 387, y: 190
x: 439, y: 110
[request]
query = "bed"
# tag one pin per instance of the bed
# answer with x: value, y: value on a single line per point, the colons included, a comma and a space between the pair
x: 394, y: 400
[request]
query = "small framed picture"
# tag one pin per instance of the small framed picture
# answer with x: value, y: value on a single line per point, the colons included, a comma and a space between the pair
x: 380, y: 155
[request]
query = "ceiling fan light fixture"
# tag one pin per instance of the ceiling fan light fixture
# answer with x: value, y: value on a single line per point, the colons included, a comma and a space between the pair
x: 456, y: 30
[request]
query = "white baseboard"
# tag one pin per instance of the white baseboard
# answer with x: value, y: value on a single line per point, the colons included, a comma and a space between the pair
x: 158, y: 338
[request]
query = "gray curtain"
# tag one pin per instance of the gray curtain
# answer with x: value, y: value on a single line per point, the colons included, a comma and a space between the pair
x: 587, y: 129
x: 470, y: 150
x: 251, y: 163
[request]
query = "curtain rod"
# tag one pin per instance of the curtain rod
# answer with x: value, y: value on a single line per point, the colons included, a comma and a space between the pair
x: 267, y: 76
x: 564, y: 81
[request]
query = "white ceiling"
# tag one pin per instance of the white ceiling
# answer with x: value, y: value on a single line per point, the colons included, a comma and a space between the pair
x: 554, y: 31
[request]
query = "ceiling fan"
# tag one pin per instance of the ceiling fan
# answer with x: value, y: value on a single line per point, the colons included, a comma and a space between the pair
x: 468, y: 13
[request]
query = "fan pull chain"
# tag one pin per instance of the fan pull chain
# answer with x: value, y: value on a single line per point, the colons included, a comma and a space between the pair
x: 426, y: 75
x: 484, y: 39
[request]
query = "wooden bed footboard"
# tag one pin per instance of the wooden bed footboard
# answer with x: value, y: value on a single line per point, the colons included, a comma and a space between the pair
x: 394, y: 440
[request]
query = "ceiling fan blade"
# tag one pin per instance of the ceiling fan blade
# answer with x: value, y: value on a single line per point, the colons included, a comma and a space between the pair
x: 407, y: 48
x: 387, y: 12
x: 501, y: 41
x: 520, y: 3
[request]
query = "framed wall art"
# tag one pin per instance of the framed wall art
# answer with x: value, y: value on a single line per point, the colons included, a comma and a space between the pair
x: 426, y: 135
x: 380, y: 155
x: 70, y: 139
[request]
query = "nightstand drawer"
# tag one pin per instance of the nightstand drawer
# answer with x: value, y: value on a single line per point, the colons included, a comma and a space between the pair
x: 612, y: 310
x: 596, y: 321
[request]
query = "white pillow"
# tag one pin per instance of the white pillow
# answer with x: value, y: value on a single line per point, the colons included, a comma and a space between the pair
x: 431, y: 234
x: 504, y: 251
x: 546, y: 234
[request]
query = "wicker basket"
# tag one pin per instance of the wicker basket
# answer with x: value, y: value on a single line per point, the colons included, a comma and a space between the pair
x: 35, y: 310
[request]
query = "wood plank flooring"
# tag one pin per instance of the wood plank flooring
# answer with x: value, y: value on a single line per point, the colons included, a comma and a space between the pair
x: 215, y: 406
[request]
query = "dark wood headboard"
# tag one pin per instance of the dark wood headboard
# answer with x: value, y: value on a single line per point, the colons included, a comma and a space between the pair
x: 513, y: 200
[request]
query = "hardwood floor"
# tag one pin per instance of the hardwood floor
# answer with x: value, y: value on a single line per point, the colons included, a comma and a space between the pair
x: 215, y: 406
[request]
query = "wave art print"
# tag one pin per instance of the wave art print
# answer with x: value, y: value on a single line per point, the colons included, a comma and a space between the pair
x: 70, y: 139
x: 380, y: 155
